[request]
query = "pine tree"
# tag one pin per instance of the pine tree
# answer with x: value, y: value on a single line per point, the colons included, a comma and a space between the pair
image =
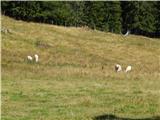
x: 114, y: 16
x: 24, y: 10
x: 77, y: 13
x: 138, y: 16
x: 157, y: 16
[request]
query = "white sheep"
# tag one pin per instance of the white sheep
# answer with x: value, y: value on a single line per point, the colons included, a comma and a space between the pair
x: 118, y: 68
x: 128, y: 68
x: 29, y: 58
x: 36, y: 57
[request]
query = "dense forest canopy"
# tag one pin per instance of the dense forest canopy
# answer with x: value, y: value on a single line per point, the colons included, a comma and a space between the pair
x: 139, y: 17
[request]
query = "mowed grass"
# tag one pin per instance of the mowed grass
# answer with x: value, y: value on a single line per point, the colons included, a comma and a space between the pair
x: 69, y: 83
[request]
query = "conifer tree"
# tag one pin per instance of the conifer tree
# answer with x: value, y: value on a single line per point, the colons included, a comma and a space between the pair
x: 138, y: 16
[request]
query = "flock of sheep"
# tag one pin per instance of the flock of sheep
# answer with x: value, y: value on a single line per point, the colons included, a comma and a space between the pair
x: 118, y: 67
x: 30, y: 58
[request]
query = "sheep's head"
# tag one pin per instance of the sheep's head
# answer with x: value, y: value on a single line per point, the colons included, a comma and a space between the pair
x: 116, y: 67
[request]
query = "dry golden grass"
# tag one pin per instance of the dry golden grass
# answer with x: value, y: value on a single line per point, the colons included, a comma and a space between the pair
x: 68, y: 83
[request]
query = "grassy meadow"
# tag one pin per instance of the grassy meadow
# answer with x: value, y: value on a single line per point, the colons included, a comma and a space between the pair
x: 68, y: 82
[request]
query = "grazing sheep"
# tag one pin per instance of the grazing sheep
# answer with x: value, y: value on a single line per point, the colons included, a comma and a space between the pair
x: 36, y: 57
x: 128, y: 68
x: 118, y: 68
x: 29, y: 58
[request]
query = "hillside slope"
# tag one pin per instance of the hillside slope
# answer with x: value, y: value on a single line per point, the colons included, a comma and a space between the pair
x: 69, y: 82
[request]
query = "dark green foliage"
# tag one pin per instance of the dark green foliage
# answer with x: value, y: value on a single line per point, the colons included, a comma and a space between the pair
x: 105, y: 16
x: 21, y: 10
x: 77, y: 13
x: 94, y: 13
x: 114, y: 19
x: 157, y: 14
x: 140, y: 17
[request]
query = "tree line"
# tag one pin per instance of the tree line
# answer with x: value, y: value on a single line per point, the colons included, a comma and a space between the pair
x: 138, y: 17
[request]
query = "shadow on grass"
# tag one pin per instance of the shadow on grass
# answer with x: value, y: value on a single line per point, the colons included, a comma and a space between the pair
x: 113, y: 117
